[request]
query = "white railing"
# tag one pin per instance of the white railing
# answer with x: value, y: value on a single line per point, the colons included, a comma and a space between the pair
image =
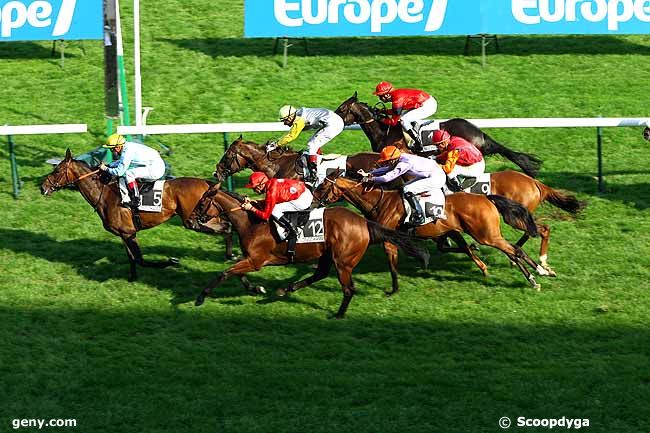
x: 10, y: 131
x: 540, y: 122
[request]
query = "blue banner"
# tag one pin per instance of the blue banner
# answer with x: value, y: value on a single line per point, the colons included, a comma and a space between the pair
x: 309, y: 18
x: 24, y: 20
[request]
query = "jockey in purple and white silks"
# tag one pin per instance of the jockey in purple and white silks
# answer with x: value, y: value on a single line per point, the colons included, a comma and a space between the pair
x: 428, y: 177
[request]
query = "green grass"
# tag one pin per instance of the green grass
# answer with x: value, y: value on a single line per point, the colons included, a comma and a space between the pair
x: 452, y: 352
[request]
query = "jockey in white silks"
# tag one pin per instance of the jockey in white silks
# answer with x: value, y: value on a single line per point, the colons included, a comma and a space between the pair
x: 136, y: 161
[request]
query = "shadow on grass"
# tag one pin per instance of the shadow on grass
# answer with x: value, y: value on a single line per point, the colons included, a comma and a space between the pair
x: 199, y: 370
x: 393, y: 46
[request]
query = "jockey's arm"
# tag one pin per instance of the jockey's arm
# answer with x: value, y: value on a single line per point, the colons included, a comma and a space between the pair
x: 269, y: 204
x: 392, y: 118
x: 119, y: 167
x: 400, y: 169
x: 450, y: 163
x: 294, y: 132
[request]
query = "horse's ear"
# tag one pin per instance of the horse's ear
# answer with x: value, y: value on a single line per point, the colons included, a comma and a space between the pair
x: 68, y: 155
x: 241, y: 137
x: 355, y: 96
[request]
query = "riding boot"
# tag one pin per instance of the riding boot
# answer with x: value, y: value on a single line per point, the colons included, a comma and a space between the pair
x: 467, y: 181
x: 453, y: 184
x: 417, y: 144
x: 292, y: 237
x: 134, y: 194
x: 312, y: 167
x: 417, y: 217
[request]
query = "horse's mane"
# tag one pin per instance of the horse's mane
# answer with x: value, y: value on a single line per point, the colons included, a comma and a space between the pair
x: 234, y: 195
x: 262, y: 147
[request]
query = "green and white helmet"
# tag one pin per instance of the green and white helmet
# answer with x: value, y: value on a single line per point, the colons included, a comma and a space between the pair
x: 287, y: 111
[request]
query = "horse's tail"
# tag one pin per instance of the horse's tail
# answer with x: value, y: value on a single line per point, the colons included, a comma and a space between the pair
x: 529, y: 163
x: 561, y: 199
x: 515, y: 215
x: 407, y: 243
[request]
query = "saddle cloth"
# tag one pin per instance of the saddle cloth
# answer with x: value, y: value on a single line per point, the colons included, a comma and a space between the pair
x: 481, y: 186
x: 309, y: 225
x: 151, y: 196
x: 433, y: 206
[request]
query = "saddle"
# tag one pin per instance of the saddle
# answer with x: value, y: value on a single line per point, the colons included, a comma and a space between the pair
x: 298, y: 219
x: 425, y: 132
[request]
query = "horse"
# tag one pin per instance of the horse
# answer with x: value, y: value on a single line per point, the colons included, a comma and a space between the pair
x: 646, y: 133
x: 347, y: 237
x: 477, y: 215
x: 381, y: 135
x: 280, y: 162
x: 179, y: 198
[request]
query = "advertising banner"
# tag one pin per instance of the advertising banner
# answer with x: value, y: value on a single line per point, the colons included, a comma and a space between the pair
x: 310, y: 18
x: 24, y: 20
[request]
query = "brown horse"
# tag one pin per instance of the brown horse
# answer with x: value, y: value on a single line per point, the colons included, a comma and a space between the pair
x: 281, y: 162
x: 477, y: 215
x: 179, y: 198
x: 347, y: 237
x: 381, y: 135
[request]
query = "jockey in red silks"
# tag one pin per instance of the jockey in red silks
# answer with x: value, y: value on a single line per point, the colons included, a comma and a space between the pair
x: 458, y: 157
x: 282, y: 195
x: 407, y: 106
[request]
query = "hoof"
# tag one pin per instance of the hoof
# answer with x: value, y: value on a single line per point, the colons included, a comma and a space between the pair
x: 389, y: 293
x: 551, y: 272
x: 199, y: 301
x: 260, y: 290
x: 281, y: 292
x: 174, y: 261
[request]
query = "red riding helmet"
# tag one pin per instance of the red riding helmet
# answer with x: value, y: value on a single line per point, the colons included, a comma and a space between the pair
x: 256, y: 179
x: 383, y: 88
x: 440, y: 136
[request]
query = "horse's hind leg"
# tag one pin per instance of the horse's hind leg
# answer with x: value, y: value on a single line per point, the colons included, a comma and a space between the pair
x: 460, y: 241
x: 323, y: 269
x: 392, y: 255
x: 515, y: 254
x: 545, y: 234
x: 242, y: 267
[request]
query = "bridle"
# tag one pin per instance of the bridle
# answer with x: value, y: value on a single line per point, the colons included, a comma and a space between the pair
x: 55, y: 186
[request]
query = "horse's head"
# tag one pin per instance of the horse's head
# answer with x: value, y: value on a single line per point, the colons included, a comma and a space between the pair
x: 346, y: 110
x: 329, y: 192
x: 206, y: 215
x: 646, y: 133
x: 238, y: 156
x: 60, y: 177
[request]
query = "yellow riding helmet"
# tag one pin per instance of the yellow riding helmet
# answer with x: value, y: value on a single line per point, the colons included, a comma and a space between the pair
x: 287, y: 111
x: 114, y: 141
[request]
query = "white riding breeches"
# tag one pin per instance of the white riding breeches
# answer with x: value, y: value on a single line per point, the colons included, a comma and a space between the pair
x: 303, y: 202
x: 427, y: 184
x: 474, y: 170
x: 427, y: 109
x: 153, y: 171
x: 334, y: 127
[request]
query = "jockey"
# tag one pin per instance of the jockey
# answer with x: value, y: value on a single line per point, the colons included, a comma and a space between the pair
x: 327, y: 123
x: 282, y: 195
x: 408, y: 106
x: 428, y: 175
x: 458, y: 157
x: 136, y: 161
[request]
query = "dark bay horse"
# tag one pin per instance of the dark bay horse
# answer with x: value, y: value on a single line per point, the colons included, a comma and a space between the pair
x: 476, y: 215
x: 281, y: 162
x: 179, y: 198
x: 347, y: 237
x: 381, y: 135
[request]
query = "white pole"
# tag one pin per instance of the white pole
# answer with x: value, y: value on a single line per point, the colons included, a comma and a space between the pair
x: 136, y: 55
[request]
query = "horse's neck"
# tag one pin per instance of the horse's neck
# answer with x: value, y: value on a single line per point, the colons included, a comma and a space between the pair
x: 373, y: 130
x: 90, y: 187
x: 283, y: 166
x: 374, y: 204
x: 239, y: 218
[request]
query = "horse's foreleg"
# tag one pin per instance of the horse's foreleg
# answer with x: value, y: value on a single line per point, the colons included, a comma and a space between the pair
x: 240, y: 268
x: 345, y: 278
x: 132, y: 261
x: 250, y: 287
x: 228, y: 237
x: 322, y: 271
x: 391, y: 254
x: 133, y: 246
